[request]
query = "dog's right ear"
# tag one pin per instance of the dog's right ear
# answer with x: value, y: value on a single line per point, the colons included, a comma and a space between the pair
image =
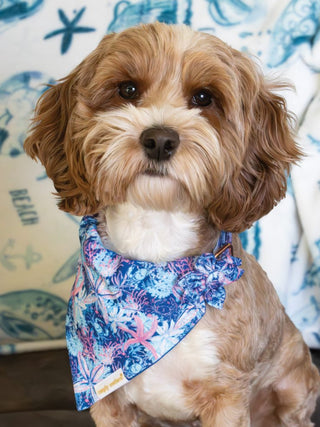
x: 50, y: 138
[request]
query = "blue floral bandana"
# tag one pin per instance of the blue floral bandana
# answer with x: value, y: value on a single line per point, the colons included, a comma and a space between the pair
x: 125, y: 315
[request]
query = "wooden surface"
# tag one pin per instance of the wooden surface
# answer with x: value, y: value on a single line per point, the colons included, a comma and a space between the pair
x: 36, y: 390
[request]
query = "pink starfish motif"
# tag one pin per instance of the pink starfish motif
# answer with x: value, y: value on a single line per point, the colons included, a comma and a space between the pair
x: 140, y: 336
x: 78, y: 283
x: 89, y: 378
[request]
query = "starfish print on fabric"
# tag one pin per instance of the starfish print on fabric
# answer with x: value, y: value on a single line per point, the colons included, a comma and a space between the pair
x: 89, y: 377
x: 141, y: 336
x: 70, y: 28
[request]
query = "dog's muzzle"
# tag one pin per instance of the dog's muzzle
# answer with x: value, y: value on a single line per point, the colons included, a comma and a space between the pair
x: 159, y: 143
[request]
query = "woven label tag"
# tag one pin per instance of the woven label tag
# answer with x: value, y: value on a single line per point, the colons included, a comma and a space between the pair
x: 111, y: 383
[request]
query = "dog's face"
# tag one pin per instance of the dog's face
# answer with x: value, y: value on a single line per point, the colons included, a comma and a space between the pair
x: 166, y: 117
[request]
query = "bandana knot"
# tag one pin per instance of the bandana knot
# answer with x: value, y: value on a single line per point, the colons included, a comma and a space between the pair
x: 209, y: 277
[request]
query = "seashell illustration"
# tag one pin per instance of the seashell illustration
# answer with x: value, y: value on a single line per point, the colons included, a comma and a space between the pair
x: 32, y: 315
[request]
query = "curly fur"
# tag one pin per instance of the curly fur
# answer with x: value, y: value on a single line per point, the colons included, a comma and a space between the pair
x: 246, y: 363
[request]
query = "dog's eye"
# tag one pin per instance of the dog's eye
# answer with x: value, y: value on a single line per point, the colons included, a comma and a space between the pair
x: 128, y: 90
x: 202, y: 98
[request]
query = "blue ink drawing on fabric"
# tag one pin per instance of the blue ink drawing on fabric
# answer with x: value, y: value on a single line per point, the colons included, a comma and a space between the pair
x: 314, y: 141
x: 32, y: 315
x: 68, y: 269
x: 70, y: 28
x: 128, y: 14
x: 230, y: 12
x: 251, y: 240
x: 299, y: 23
x: 18, y: 96
x: 311, y: 277
x: 125, y: 315
x: 15, y: 10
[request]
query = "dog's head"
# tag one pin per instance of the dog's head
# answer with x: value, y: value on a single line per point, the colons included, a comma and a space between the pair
x: 165, y: 116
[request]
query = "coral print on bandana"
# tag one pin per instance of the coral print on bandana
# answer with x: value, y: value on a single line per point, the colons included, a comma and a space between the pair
x: 125, y: 315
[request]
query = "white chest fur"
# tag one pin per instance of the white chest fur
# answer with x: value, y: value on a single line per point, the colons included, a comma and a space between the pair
x: 158, y: 236
x: 150, y: 235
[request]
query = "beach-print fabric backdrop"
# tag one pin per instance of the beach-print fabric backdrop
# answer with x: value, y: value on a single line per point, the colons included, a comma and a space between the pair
x: 41, y: 41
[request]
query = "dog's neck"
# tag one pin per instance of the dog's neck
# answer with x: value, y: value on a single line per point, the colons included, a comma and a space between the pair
x: 155, y: 236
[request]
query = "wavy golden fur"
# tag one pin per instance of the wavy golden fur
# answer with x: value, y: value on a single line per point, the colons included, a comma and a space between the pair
x: 229, y: 169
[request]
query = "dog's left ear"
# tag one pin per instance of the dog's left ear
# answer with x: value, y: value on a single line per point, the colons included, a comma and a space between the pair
x: 259, y: 182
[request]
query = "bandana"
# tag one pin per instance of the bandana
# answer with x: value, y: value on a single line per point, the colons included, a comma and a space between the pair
x: 125, y: 315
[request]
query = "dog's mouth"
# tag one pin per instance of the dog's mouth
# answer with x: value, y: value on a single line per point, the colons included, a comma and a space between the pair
x: 155, y: 172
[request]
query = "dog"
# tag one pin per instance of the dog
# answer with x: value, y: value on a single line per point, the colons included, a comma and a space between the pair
x: 165, y: 137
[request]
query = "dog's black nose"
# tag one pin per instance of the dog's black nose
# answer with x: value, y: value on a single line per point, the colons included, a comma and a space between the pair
x: 159, y: 143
